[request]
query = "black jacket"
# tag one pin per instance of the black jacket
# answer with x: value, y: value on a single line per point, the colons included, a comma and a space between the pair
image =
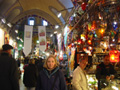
x: 46, y: 80
x: 102, y: 72
x: 8, y: 73
x: 30, y: 75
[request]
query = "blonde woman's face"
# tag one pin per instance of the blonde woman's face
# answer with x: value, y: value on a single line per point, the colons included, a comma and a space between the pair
x: 51, y: 63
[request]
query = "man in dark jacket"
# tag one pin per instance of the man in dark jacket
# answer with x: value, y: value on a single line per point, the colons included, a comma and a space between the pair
x: 105, y: 71
x: 8, y: 70
x: 30, y: 75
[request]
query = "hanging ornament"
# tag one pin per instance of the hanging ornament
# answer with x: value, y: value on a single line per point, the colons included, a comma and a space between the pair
x: 115, y: 25
x: 86, y: 36
x: 118, y: 8
x: 93, y: 25
x: 95, y: 35
x: 90, y: 36
x: 80, y: 11
x: 83, y: 6
x: 89, y: 26
x: 89, y: 42
x: 75, y: 3
x: 90, y: 1
x: 70, y: 27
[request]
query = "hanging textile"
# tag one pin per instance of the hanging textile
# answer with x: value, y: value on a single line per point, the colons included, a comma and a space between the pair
x: 42, y: 37
x: 27, y: 39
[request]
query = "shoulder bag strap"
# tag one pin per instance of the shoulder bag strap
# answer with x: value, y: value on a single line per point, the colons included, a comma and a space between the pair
x: 54, y: 80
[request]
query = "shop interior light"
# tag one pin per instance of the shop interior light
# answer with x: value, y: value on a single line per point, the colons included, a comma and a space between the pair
x: 16, y: 31
x: 37, y: 41
x: 51, y: 35
x: 59, y: 12
x: 59, y: 34
x: 20, y: 45
x: 90, y: 48
x: 115, y: 88
x: 9, y: 24
x: 47, y: 54
x: 56, y: 26
x: 74, y: 15
x: 113, y: 40
x: 105, y: 45
x: 21, y: 40
x: 61, y: 52
x: 3, y: 20
x: 11, y: 41
x: 55, y: 32
x: 18, y: 38
x: 102, y: 31
x: 115, y: 22
x: 89, y: 42
x: 59, y: 15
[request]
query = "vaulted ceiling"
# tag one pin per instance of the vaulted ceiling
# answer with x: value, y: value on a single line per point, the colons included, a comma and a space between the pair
x: 17, y: 10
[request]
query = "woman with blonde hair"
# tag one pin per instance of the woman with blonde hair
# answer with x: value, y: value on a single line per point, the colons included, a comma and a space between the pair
x: 51, y: 78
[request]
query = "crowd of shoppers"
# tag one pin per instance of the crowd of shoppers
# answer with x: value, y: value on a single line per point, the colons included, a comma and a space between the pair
x: 40, y: 75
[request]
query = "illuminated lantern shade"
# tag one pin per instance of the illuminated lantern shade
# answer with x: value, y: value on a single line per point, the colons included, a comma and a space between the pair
x: 102, y: 31
x: 89, y: 42
x: 114, y: 56
x: 83, y: 6
x: 89, y: 26
x: 93, y: 25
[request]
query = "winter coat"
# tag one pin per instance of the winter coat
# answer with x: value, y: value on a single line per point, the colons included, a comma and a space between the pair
x: 79, y: 81
x: 30, y: 75
x: 8, y: 73
x: 46, y: 79
x: 102, y: 72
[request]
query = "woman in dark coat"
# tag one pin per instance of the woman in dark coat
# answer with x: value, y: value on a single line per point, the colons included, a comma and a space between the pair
x: 51, y: 78
x: 30, y: 75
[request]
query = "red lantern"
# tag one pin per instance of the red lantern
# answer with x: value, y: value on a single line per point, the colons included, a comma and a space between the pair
x: 89, y: 42
x: 118, y: 8
x: 114, y: 56
x: 83, y: 6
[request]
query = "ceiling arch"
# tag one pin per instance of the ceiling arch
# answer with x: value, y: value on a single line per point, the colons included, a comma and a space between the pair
x: 15, y: 12
x: 5, y: 5
x: 40, y: 13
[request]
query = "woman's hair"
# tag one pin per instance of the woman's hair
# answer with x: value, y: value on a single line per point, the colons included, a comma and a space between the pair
x: 51, y: 56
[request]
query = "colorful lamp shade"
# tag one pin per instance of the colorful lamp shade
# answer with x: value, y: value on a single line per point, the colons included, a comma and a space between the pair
x: 114, y: 56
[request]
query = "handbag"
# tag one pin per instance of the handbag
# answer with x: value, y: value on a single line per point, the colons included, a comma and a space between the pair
x: 54, y: 81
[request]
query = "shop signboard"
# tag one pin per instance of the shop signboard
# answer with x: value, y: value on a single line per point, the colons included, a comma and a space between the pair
x: 42, y: 37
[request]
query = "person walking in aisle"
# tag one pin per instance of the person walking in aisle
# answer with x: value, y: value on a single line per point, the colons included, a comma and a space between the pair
x: 30, y: 75
x: 51, y: 78
x: 79, y: 81
x: 8, y: 70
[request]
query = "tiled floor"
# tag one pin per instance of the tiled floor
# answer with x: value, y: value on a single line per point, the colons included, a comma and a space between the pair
x: 22, y: 87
